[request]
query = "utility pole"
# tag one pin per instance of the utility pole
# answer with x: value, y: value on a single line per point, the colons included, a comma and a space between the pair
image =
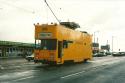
x: 107, y: 42
x: 95, y: 43
x: 95, y: 35
x: 112, y: 44
x: 97, y: 40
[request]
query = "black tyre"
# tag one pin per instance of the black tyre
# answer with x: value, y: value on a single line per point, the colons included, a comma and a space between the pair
x: 85, y: 60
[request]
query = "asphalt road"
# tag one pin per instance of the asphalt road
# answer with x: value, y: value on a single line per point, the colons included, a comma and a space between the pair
x: 99, y: 70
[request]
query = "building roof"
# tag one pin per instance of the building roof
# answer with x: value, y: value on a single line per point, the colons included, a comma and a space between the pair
x: 6, y: 43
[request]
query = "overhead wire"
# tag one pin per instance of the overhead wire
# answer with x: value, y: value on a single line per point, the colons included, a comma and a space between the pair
x: 15, y: 6
x: 60, y: 12
x: 56, y: 9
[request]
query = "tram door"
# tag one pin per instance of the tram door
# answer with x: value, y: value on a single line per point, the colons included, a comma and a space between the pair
x: 60, y: 48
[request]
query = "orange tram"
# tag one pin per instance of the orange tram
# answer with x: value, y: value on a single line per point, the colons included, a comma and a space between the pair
x: 58, y: 43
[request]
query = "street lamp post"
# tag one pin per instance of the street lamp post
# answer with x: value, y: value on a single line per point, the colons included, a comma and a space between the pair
x: 94, y: 43
x: 94, y: 35
x: 112, y: 44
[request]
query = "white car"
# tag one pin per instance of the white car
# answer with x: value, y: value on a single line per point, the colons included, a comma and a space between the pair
x: 29, y: 58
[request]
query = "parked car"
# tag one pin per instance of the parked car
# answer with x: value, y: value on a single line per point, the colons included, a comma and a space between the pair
x: 100, y: 54
x: 108, y: 53
x: 122, y: 53
x: 115, y: 54
x: 118, y: 54
x: 29, y: 58
x: 95, y: 54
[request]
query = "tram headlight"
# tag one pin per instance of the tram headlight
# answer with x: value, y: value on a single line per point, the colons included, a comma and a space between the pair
x: 52, y: 55
x: 36, y: 57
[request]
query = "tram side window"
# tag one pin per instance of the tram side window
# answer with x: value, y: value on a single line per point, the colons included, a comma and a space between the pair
x: 65, y: 44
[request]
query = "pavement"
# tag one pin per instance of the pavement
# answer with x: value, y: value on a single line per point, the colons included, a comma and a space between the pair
x: 100, y: 70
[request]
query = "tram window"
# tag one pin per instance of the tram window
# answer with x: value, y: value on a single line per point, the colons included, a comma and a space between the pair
x: 70, y: 41
x: 48, y: 44
x: 65, y: 44
x: 37, y: 44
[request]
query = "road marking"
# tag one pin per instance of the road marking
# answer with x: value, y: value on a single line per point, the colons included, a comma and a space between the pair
x: 23, y: 78
x: 12, y: 67
x: 18, y: 75
x: 74, y: 74
x: 95, y: 67
x: 105, y: 60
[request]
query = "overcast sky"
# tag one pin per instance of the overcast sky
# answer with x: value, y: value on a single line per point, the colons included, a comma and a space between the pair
x: 105, y: 17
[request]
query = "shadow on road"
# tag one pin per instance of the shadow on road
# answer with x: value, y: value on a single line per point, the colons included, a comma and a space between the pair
x: 66, y: 65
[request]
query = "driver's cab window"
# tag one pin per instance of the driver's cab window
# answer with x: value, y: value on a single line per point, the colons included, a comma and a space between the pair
x: 38, y: 44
